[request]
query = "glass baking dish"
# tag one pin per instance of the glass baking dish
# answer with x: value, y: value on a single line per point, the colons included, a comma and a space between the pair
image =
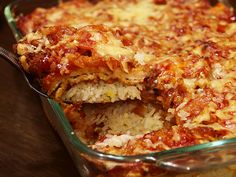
x: 91, y: 163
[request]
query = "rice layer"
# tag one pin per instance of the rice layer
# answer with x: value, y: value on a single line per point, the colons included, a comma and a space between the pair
x: 115, y: 124
x: 101, y: 92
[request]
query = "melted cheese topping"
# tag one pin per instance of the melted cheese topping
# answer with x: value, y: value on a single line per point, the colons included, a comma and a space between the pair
x: 114, y: 48
x: 139, y: 12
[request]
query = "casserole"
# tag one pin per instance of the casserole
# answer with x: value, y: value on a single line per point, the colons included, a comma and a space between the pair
x: 213, y: 154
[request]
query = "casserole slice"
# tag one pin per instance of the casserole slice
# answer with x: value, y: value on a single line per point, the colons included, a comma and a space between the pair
x: 90, y: 64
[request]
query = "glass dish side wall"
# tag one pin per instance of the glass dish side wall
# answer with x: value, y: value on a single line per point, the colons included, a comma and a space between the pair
x: 91, y: 163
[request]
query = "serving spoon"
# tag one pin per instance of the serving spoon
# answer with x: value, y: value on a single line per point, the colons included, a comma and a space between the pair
x: 31, y: 81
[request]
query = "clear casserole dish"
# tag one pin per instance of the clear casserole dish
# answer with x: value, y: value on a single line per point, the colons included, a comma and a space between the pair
x: 92, y: 163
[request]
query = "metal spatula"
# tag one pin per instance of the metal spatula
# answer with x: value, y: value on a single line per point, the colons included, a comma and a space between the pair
x: 31, y: 81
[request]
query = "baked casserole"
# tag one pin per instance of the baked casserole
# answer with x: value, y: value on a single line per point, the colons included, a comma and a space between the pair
x: 137, y: 77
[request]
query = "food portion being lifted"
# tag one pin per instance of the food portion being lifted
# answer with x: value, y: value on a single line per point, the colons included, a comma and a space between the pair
x: 90, y: 64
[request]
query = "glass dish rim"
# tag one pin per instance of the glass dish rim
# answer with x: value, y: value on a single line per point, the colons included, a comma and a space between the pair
x: 83, y: 148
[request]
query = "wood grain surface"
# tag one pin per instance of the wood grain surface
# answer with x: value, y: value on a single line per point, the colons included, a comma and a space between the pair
x: 29, y: 147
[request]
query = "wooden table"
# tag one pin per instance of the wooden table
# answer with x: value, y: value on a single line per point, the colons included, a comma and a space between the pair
x: 29, y: 147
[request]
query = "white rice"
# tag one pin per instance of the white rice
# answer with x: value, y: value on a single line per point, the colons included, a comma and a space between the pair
x: 101, y: 92
x: 120, y: 118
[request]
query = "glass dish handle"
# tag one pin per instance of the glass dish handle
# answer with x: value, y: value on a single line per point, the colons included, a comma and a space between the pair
x: 211, y: 157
